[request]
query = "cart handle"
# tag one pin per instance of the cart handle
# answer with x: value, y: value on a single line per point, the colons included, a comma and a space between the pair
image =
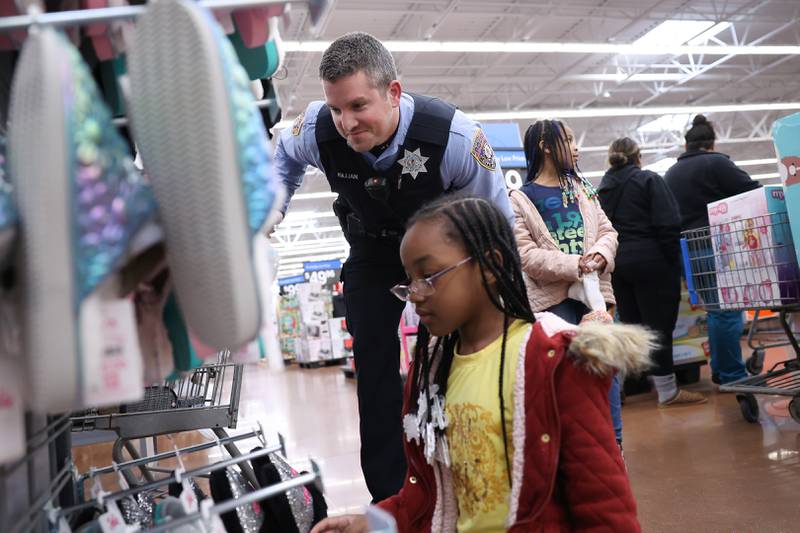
x: 687, y: 270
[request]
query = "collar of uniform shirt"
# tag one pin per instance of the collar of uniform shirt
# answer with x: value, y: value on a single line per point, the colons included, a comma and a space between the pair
x: 379, y: 149
x: 387, y: 157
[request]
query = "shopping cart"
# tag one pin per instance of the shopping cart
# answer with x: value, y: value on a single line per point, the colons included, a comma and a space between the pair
x: 750, y: 264
x: 206, y: 398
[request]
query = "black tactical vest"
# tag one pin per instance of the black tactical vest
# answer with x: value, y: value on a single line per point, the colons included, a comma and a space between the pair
x: 348, y: 172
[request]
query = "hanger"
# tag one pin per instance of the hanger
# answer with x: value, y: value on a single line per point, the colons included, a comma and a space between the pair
x: 205, y: 513
x: 106, y: 498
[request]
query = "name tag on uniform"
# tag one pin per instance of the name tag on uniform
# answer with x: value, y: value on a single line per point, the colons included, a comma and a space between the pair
x: 346, y: 176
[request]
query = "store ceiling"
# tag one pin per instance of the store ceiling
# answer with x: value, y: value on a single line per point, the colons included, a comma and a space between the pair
x: 494, y: 81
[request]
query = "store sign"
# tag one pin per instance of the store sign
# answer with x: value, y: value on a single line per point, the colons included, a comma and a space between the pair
x: 294, y: 280
x: 315, y: 266
x: 507, y: 145
x: 326, y: 273
x: 513, y: 179
x: 511, y: 158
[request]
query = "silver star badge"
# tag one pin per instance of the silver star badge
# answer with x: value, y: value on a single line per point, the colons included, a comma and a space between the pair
x: 413, y: 163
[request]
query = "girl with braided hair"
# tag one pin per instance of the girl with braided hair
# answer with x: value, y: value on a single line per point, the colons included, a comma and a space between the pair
x: 506, y: 413
x: 562, y: 232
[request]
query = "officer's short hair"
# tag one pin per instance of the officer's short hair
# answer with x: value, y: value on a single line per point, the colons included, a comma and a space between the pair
x: 357, y: 51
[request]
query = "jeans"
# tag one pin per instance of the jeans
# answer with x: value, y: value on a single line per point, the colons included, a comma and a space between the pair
x: 573, y: 311
x: 724, y: 336
x: 724, y: 327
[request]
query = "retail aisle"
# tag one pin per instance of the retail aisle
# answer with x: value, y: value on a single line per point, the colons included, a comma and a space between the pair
x: 693, y: 469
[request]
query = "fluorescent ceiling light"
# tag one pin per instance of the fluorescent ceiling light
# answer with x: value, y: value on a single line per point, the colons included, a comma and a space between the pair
x: 710, y: 33
x: 601, y: 112
x: 594, y: 112
x: 594, y: 174
x: 662, y: 165
x: 673, y: 122
x: 767, y: 176
x: 673, y: 32
x: 308, y: 195
x: 311, y: 242
x: 755, y: 162
x: 500, y: 47
x: 621, y: 76
x: 297, y: 216
x: 305, y: 231
x: 319, y: 250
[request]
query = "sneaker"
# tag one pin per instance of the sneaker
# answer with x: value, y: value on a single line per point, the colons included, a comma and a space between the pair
x: 684, y: 397
x: 211, y: 169
x: 79, y: 208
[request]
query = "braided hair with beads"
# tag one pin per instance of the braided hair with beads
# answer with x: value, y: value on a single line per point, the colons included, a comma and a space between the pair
x: 551, y: 136
x: 484, y: 232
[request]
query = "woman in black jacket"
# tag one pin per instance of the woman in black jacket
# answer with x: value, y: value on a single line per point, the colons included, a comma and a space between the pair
x: 647, y: 279
x: 701, y: 176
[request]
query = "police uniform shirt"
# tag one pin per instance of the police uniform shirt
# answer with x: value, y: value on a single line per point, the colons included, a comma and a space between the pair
x: 468, y: 165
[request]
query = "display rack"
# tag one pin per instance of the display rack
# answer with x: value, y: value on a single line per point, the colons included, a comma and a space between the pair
x: 40, y: 489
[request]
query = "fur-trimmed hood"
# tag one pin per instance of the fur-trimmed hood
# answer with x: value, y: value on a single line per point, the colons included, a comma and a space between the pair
x: 605, y: 348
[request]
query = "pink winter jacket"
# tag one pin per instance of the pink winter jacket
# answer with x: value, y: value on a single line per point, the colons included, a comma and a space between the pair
x: 548, y: 271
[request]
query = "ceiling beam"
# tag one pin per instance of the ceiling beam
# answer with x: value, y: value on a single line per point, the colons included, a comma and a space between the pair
x: 703, y: 69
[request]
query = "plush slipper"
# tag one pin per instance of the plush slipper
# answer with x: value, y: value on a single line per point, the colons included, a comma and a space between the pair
x: 211, y: 169
x: 297, y: 506
x: 80, y: 207
x: 226, y: 485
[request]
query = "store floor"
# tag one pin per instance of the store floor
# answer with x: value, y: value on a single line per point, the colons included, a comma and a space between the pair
x: 693, y: 469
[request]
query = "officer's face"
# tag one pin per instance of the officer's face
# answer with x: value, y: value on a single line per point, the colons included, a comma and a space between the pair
x: 364, y: 115
x: 459, y: 296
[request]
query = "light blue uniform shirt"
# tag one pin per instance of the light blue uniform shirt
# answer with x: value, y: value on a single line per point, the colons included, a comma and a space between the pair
x: 460, y: 170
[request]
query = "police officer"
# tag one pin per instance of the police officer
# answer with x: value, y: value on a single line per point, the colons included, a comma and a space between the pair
x: 386, y: 153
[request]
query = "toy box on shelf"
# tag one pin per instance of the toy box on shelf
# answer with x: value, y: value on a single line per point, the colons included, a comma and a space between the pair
x: 753, y: 252
x: 322, y: 337
x: 689, y: 339
x: 289, y: 324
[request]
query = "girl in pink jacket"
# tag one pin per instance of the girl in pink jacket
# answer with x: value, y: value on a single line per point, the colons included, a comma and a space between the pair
x: 562, y: 232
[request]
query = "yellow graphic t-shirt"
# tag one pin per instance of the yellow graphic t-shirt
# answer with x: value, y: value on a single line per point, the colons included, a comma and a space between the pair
x: 474, y: 433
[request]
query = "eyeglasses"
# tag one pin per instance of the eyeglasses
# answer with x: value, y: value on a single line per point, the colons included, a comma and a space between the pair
x: 424, y: 286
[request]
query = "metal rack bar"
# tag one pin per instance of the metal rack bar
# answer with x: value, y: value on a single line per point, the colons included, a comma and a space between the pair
x: 207, y: 469
x: 167, y: 455
x: 255, y: 496
x: 52, y: 430
x: 56, y: 486
x: 64, y: 19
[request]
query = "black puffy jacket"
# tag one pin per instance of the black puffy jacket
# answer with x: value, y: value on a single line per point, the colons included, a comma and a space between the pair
x: 644, y: 213
x: 699, y: 178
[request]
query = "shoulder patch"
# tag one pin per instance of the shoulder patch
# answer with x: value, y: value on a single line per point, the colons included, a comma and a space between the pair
x: 482, y: 151
x: 297, y: 126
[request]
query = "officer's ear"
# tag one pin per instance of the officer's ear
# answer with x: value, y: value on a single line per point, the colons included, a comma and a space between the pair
x: 394, y: 91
